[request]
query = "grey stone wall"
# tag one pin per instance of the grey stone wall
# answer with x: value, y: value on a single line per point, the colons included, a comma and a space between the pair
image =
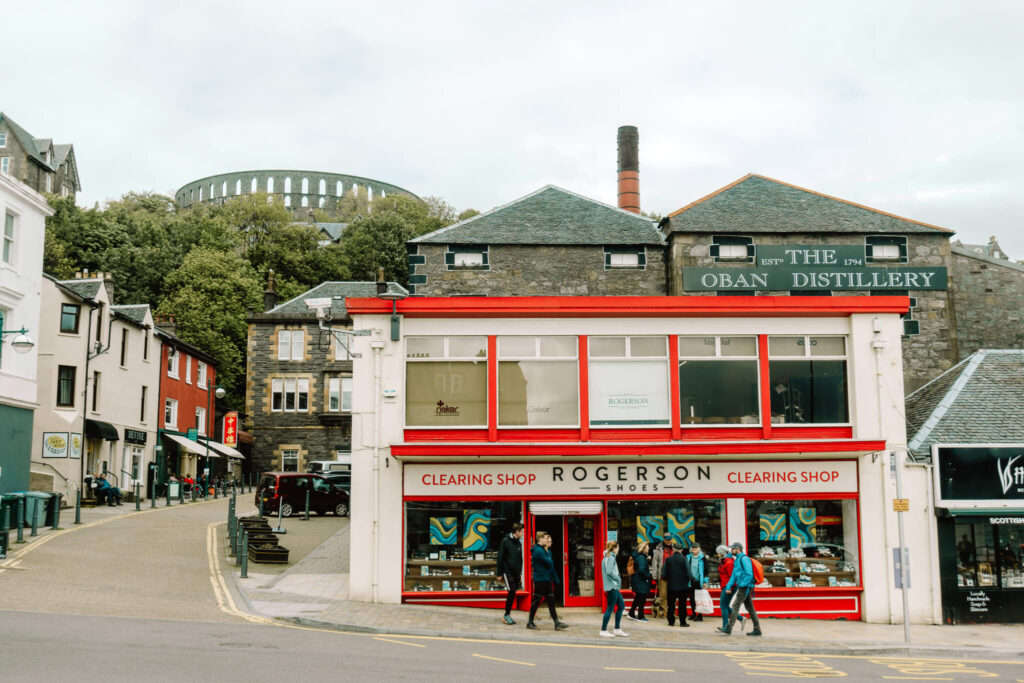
x: 988, y: 295
x: 316, y: 433
x: 925, y: 355
x: 20, y: 166
x: 536, y: 270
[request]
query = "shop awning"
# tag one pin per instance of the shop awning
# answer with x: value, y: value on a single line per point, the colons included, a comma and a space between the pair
x: 224, y: 449
x: 986, y: 512
x: 567, y: 507
x: 97, y: 429
x: 191, y: 446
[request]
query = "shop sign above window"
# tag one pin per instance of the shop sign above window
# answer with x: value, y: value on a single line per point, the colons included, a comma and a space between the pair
x: 979, y: 476
x: 840, y: 267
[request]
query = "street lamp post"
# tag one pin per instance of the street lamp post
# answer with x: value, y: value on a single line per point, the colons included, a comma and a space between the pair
x: 210, y: 389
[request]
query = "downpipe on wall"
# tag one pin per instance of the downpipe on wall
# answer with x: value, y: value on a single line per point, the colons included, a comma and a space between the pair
x: 377, y: 346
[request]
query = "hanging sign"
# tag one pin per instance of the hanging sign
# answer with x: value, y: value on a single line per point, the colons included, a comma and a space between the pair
x: 230, y: 430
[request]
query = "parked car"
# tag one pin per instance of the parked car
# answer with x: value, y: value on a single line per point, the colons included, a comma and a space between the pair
x: 287, y: 491
x: 342, y: 480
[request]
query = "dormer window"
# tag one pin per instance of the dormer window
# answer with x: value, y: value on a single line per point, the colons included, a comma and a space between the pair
x: 885, y: 248
x: 732, y: 249
x: 466, y: 258
x: 625, y: 257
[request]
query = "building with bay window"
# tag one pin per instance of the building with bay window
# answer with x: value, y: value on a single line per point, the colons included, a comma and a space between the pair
x: 766, y: 420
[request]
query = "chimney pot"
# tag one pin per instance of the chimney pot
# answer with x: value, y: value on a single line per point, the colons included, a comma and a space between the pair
x: 629, y: 168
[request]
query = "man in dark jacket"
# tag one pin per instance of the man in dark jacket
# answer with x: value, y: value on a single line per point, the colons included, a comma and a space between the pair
x: 677, y: 581
x: 510, y: 567
x: 545, y: 578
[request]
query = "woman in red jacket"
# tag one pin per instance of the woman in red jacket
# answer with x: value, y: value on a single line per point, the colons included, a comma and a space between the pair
x: 724, y: 574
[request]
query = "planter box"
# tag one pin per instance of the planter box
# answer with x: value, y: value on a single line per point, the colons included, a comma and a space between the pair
x: 272, y: 555
x: 262, y: 537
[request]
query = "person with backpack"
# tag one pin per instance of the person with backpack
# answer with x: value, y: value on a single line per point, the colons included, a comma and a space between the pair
x: 640, y: 582
x: 612, y: 593
x: 510, y: 567
x: 659, y: 554
x: 725, y: 565
x: 743, y: 579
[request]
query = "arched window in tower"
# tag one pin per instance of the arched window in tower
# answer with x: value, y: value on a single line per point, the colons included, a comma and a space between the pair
x: 191, y: 195
x: 287, y: 200
x: 355, y: 190
x: 287, y: 185
x: 255, y: 186
x: 238, y: 186
x: 323, y: 200
x: 305, y: 186
x: 211, y: 190
x: 224, y: 189
x: 305, y: 200
x: 337, y: 189
x: 383, y: 194
x: 270, y: 184
x: 200, y: 193
x: 323, y: 186
x: 369, y: 193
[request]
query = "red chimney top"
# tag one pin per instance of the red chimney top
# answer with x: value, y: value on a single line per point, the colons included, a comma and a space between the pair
x: 629, y: 169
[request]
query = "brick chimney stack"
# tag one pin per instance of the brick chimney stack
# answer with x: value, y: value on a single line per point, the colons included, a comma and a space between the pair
x: 165, y: 322
x: 629, y: 168
x: 269, y: 294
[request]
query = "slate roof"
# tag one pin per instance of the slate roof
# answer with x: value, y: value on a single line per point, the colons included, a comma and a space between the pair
x: 978, y: 251
x: 337, y: 291
x: 87, y: 289
x: 551, y: 216
x: 27, y: 142
x: 756, y: 204
x: 333, y: 230
x: 980, y: 400
x: 134, y: 312
x: 60, y: 153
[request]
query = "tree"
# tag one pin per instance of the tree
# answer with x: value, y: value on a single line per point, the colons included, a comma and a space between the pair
x: 377, y: 241
x: 210, y: 295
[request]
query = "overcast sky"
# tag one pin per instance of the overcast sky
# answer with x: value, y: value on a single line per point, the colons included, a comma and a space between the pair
x: 910, y: 107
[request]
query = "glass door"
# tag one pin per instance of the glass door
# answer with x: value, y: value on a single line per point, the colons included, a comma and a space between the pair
x: 581, y: 560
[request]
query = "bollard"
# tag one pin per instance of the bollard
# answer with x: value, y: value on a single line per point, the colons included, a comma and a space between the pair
x: 21, y: 520
x: 78, y: 506
x: 56, y: 512
x: 152, y: 493
x: 6, y: 521
x: 181, y: 493
x: 168, y: 494
x: 245, y: 554
x: 215, y: 492
x: 35, y: 518
x: 137, y: 501
x: 261, y: 506
x: 307, y: 505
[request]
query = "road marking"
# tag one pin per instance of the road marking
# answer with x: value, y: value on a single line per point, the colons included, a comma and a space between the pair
x: 400, y: 642
x: 923, y: 669
x: 507, y: 661
x: 220, y: 589
x: 916, y: 678
x: 626, y: 668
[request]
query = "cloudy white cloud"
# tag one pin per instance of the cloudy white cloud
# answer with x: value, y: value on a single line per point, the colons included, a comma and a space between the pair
x: 913, y: 107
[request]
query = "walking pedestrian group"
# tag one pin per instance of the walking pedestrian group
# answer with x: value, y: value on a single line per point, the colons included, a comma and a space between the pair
x: 682, y: 579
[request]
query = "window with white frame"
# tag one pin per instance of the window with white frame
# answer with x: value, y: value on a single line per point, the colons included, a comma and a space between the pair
x: 49, y: 183
x: 5, y: 164
x: 538, y: 381
x: 290, y: 460
x: 201, y: 421
x: 188, y: 369
x: 471, y: 257
x: 9, y: 237
x: 290, y: 344
x: 339, y: 394
x: 446, y: 381
x: 289, y: 395
x: 170, y: 413
x: 341, y: 347
x: 732, y: 248
x: 808, y: 379
x: 3, y: 139
x: 201, y: 373
x: 718, y: 380
x: 173, y: 358
x: 625, y: 257
x: 628, y: 381
x: 891, y: 248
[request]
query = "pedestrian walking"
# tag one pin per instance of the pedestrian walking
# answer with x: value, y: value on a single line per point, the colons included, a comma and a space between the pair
x: 510, y: 567
x: 725, y: 565
x: 697, y: 565
x: 545, y: 578
x: 743, y: 580
x: 677, y: 580
x: 640, y: 582
x: 661, y: 552
x: 612, y: 591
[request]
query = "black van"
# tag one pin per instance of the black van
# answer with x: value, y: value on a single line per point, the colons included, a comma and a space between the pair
x: 287, y: 491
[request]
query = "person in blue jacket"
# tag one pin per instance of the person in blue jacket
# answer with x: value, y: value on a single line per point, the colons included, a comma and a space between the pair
x: 742, y: 581
x: 697, y: 564
x: 544, y: 580
x: 612, y: 592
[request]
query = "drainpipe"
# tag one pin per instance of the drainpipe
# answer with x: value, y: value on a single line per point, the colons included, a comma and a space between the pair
x: 376, y: 346
x: 83, y: 453
x: 933, y: 537
x: 877, y: 345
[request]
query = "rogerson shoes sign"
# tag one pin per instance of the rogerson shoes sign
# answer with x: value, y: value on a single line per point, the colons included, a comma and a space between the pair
x: 839, y: 268
x: 654, y: 478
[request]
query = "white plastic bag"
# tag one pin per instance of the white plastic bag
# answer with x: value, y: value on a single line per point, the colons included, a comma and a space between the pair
x: 704, y: 603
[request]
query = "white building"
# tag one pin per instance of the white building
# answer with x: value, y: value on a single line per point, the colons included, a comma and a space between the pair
x: 765, y: 420
x: 24, y: 213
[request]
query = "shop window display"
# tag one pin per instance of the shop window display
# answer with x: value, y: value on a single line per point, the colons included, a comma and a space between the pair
x: 538, y: 382
x: 632, y: 522
x: 805, y: 543
x: 718, y: 381
x: 808, y: 379
x: 446, y: 381
x: 628, y: 381
x: 453, y: 546
x: 988, y: 556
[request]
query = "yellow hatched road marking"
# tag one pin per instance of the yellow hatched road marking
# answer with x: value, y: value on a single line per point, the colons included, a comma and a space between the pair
x: 400, y: 642
x: 923, y: 669
x: 916, y: 678
x: 627, y: 668
x: 783, y: 666
x: 507, y: 661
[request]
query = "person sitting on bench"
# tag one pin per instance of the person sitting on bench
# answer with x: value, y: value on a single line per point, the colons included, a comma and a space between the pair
x: 104, y: 489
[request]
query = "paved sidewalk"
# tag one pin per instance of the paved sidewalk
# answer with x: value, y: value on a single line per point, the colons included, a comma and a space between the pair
x: 314, y: 592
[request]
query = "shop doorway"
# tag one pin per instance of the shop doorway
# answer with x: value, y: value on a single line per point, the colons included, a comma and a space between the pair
x: 575, y: 553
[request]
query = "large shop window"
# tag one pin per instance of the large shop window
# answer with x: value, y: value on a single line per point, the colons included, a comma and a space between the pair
x: 453, y: 546
x: 718, y: 380
x: 688, y: 521
x: 808, y: 379
x: 538, y: 382
x: 628, y: 381
x: 805, y: 543
x: 989, y: 555
x: 446, y: 381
